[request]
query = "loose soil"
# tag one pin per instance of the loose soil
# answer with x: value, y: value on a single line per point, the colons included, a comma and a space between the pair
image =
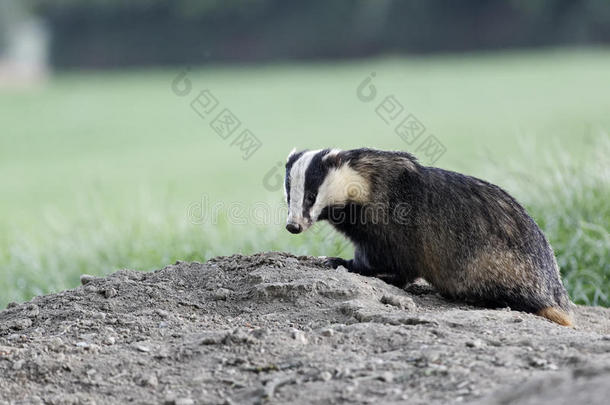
x: 274, y: 328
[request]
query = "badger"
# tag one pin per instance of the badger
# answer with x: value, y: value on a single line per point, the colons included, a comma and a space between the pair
x: 468, y: 238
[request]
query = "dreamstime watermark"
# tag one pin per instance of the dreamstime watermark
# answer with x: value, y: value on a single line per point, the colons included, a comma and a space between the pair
x: 204, y: 212
x: 207, y: 212
x: 406, y: 125
x: 225, y: 123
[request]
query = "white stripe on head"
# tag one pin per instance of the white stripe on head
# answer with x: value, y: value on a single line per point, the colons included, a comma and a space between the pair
x: 297, y: 188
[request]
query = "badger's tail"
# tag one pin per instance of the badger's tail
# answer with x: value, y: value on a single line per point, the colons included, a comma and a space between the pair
x: 556, y: 315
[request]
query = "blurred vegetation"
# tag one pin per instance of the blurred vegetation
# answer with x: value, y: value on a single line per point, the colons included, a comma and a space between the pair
x: 112, y: 33
x: 100, y: 171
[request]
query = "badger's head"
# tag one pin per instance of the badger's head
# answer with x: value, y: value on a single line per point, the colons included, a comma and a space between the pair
x: 319, y: 180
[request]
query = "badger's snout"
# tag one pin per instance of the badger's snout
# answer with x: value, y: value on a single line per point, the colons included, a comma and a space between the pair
x: 297, y: 224
x: 294, y: 228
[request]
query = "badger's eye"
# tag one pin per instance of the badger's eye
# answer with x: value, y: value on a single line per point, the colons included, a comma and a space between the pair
x: 310, y: 198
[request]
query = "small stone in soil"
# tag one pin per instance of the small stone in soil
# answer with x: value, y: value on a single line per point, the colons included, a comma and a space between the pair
x: 86, y: 279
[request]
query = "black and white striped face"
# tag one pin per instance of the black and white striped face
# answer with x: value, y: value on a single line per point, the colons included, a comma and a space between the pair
x: 316, y: 180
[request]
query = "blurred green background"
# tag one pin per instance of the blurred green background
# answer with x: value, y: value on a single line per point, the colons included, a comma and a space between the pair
x: 103, y: 166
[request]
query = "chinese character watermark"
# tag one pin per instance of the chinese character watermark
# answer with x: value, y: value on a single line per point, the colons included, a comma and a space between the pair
x: 410, y: 129
x: 225, y: 123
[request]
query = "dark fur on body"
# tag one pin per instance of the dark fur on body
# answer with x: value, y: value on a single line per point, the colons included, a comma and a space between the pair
x: 467, y: 237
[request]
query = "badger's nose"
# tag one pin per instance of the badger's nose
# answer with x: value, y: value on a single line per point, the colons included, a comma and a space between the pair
x: 294, y: 228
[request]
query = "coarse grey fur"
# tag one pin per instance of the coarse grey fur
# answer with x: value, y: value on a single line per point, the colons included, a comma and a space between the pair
x: 467, y: 237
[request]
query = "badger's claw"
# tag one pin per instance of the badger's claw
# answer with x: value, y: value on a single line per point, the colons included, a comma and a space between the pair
x: 335, y: 262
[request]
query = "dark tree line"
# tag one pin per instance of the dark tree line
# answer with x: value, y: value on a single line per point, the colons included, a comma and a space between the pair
x: 112, y: 33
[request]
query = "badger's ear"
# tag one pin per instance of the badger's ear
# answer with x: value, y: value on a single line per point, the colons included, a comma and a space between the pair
x: 333, y: 158
x: 291, y: 154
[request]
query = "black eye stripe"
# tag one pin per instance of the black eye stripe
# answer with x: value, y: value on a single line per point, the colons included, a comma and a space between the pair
x: 291, y: 161
x: 287, y: 185
x: 310, y: 198
x: 314, y: 177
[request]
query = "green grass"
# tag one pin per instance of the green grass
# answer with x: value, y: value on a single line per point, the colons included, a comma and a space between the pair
x: 99, y: 171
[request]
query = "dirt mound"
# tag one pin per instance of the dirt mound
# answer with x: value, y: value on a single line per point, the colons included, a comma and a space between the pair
x: 279, y: 329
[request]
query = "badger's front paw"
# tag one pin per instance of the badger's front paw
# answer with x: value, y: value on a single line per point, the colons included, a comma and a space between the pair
x: 335, y: 262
